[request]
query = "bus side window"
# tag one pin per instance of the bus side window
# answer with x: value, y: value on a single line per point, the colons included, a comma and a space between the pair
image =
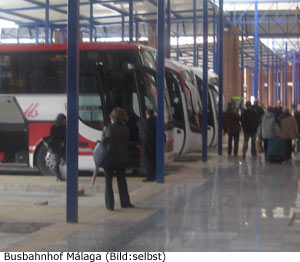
x: 90, y: 104
x: 135, y: 104
x: 173, y: 85
x: 194, y: 123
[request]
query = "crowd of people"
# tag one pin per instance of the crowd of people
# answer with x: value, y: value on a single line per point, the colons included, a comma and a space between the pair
x: 118, y: 132
x: 276, y: 127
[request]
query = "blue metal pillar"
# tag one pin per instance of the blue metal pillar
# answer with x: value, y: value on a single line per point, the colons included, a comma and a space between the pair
x: 268, y: 76
x: 272, y: 81
x: 220, y: 72
x: 168, y: 28
x: 215, y: 57
x: 195, y: 63
x: 72, y: 119
x: 36, y: 34
x: 295, y: 84
x: 51, y: 35
x: 255, y: 80
x: 123, y: 28
x: 204, y: 83
x: 242, y: 63
x: 47, y: 22
x: 261, y: 70
x: 261, y: 84
x: 160, y: 93
x: 286, y: 75
x: 91, y: 21
x: 137, y: 31
x: 278, y: 85
x: 131, y: 21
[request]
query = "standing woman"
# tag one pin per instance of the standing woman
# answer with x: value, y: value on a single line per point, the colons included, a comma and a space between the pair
x: 289, y: 131
x: 58, y: 142
x: 118, y: 132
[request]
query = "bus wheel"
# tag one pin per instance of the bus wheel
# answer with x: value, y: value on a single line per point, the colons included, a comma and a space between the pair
x: 42, y: 160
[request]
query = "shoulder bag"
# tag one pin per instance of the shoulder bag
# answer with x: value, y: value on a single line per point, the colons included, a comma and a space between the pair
x: 104, y: 152
x: 259, y: 146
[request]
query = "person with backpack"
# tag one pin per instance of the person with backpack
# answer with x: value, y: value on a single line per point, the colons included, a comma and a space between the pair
x: 118, y: 132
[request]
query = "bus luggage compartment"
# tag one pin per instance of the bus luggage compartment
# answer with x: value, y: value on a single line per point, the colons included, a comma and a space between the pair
x: 13, y: 131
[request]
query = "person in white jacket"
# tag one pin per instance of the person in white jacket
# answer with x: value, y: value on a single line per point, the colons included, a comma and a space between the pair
x: 269, y: 128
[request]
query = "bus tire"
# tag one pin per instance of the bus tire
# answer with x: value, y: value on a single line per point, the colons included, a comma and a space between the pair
x: 41, y: 162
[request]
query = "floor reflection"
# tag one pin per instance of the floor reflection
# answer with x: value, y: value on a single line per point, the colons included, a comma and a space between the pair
x: 244, y: 206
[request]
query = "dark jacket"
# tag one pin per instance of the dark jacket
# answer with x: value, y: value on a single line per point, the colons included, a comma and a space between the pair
x: 58, y: 139
x: 232, y: 122
x: 250, y: 121
x: 259, y: 111
x: 119, y: 134
x: 288, y: 126
x: 278, y: 112
x: 297, y: 117
x: 147, y: 130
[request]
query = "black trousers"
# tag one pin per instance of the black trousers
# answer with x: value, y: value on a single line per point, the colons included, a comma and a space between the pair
x: 288, y: 149
x: 149, y: 152
x: 122, y: 186
x: 236, y: 137
x: 266, y: 148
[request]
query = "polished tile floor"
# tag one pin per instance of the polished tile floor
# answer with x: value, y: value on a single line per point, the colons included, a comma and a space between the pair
x: 244, y: 206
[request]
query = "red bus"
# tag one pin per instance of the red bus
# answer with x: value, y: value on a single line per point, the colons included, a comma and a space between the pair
x: 33, y: 92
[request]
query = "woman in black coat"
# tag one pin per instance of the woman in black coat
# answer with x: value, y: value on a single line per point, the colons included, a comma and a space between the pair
x: 58, y: 142
x: 119, y: 134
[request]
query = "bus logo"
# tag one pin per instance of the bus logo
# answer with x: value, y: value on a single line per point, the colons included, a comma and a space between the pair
x: 31, y: 111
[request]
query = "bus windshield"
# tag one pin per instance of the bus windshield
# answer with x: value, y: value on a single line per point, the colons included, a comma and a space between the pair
x: 105, y: 81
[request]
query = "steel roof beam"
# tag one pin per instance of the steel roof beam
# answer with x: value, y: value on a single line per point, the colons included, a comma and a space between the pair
x: 104, y: 3
x: 23, y: 16
x: 265, y: 14
x: 9, y: 10
x: 265, y: 22
x: 284, y: 32
x: 264, y: 1
x: 242, y: 14
x: 53, y: 7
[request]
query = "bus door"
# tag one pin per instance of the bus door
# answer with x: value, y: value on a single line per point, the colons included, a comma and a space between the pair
x: 173, y: 87
x: 211, y: 128
x: 13, y: 132
x: 92, y: 117
x: 214, y: 108
x: 147, y: 97
x: 119, y: 89
x: 194, y: 138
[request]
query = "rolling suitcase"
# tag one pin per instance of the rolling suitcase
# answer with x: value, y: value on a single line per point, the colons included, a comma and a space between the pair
x: 276, y: 150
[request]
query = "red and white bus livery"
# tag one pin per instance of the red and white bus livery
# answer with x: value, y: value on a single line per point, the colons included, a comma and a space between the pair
x: 33, y: 92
